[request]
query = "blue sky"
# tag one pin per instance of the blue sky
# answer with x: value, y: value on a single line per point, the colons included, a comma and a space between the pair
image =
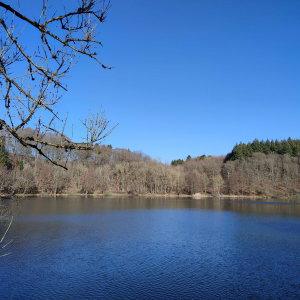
x: 191, y: 77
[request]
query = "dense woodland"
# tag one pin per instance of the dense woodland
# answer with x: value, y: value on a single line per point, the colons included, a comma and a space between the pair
x: 242, y: 150
x: 266, y: 168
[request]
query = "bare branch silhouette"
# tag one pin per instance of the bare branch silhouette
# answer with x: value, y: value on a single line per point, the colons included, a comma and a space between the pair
x: 31, y: 83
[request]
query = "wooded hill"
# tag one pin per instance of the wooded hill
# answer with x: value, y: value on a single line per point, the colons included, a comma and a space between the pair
x: 273, y: 172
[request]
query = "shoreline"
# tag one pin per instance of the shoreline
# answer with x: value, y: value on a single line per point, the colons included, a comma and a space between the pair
x: 195, y: 196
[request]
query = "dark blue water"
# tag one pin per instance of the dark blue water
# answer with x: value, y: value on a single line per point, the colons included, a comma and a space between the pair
x: 139, y: 248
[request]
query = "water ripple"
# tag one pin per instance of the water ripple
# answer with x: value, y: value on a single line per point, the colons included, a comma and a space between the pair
x: 153, y: 253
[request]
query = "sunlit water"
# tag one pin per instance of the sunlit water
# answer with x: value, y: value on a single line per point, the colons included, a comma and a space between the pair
x: 142, y: 248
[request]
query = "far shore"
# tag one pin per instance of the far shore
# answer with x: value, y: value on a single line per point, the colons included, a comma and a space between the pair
x: 195, y: 196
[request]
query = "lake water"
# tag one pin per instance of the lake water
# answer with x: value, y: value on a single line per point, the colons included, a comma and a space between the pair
x: 144, y: 248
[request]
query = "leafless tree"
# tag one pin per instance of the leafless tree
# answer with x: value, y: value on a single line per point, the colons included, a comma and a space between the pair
x: 217, y: 182
x: 32, y: 80
x: 204, y: 181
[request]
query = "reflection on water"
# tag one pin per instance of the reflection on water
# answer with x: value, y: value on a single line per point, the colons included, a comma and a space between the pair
x: 82, y: 205
x: 150, y: 248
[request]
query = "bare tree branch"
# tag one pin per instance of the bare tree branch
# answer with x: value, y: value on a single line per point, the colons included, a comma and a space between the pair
x: 38, y: 88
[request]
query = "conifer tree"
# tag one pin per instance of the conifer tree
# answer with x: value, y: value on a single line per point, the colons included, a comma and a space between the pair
x: 267, y: 147
x: 256, y: 147
x: 245, y: 150
x: 4, y: 158
x: 237, y: 152
x: 250, y: 151
x: 277, y: 146
x: 240, y: 151
x: 296, y: 149
x: 262, y: 145
x: 272, y: 146
x: 286, y: 148
x: 177, y: 162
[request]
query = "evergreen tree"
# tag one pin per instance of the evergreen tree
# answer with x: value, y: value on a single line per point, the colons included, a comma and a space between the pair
x: 286, y: 148
x: 262, y: 145
x: 228, y: 157
x: 177, y: 162
x: 237, y: 152
x: 245, y: 150
x: 256, y: 147
x: 250, y: 151
x: 4, y: 157
x: 277, y: 147
x: 272, y: 147
x: 242, y: 150
x: 296, y: 149
x: 267, y: 147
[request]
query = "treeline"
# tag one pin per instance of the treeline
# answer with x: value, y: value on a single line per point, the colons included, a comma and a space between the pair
x: 112, y: 170
x: 240, y: 151
x: 177, y: 162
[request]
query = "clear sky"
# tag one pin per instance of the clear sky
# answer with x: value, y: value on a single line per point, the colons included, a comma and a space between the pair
x: 191, y: 77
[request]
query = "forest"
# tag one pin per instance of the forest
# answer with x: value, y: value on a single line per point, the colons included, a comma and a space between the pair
x: 267, y: 169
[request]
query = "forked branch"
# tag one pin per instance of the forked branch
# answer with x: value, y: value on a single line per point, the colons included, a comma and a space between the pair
x: 31, y: 83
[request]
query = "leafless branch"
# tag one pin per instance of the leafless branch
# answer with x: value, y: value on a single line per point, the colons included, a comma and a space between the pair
x: 4, y: 237
x: 31, y: 83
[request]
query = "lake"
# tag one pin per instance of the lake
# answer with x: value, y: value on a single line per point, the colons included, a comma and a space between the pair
x: 152, y: 248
